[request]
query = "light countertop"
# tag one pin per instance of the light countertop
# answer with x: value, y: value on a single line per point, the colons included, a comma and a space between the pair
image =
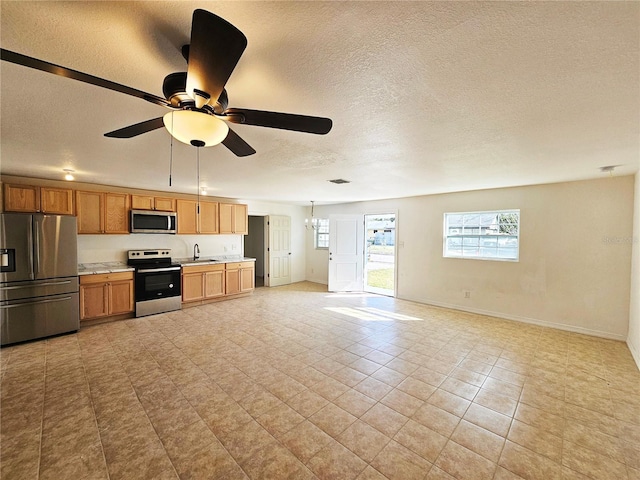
x: 105, y: 267
x: 113, y: 267
x: 189, y: 261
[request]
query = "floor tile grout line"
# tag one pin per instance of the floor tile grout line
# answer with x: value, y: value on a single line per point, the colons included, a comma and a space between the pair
x: 44, y: 397
x: 93, y: 409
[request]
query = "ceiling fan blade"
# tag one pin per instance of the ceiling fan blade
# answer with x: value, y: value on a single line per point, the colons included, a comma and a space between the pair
x: 285, y: 121
x: 137, y: 129
x: 237, y: 145
x: 37, y: 64
x: 215, y: 48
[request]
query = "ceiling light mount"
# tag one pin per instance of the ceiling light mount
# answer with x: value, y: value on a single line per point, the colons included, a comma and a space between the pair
x: 68, y: 174
x: 339, y: 181
x: 608, y: 169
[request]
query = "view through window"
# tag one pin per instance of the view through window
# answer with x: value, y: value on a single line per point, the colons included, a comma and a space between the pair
x: 492, y: 235
x: 321, y: 233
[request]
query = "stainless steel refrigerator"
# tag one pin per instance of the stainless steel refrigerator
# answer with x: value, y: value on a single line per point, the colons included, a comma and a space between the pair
x: 38, y: 276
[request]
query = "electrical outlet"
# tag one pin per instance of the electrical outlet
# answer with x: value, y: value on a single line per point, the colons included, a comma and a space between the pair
x: 312, y: 271
x: 467, y: 294
x: 233, y: 247
x: 226, y: 249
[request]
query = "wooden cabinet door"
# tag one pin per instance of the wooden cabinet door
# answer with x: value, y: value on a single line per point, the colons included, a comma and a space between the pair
x: 226, y: 218
x: 164, y: 204
x: 142, y: 202
x: 121, y: 297
x: 94, y: 300
x: 208, y: 218
x: 21, y: 198
x: 90, y: 212
x: 57, y: 200
x: 234, y: 218
x: 240, y: 219
x: 214, y: 284
x: 232, y: 281
x: 116, y: 213
x: 192, y: 286
x: 247, y: 279
x: 187, y: 216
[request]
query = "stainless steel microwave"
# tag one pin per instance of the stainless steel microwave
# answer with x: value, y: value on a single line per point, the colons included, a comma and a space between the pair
x: 148, y: 221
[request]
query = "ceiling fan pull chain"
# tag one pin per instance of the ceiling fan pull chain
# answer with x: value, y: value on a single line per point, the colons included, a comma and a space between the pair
x: 198, y: 186
x: 171, y: 152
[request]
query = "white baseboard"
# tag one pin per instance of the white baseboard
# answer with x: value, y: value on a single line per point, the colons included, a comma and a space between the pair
x: 533, y: 321
x: 634, y: 353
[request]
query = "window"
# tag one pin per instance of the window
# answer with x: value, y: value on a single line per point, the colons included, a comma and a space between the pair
x: 321, y: 233
x: 482, y: 235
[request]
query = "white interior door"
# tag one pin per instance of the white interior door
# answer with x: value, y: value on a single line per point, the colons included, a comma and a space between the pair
x: 346, y: 234
x: 279, y: 250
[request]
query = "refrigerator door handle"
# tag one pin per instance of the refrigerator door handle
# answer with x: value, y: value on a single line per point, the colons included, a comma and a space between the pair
x: 13, y: 305
x: 47, y: 284
x: 36, y: 250
x: 30, y: 247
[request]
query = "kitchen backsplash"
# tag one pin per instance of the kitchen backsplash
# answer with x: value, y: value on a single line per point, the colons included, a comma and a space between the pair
x: 113, y: 248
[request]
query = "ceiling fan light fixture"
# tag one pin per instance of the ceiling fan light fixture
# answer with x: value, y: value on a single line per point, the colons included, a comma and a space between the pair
x: 188, y: 126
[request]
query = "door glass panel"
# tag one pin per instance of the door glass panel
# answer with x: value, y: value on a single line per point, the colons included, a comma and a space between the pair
x: 379, y: 255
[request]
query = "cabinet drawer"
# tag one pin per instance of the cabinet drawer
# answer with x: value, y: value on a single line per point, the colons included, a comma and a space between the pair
x: 203, y: 268
x: 234, y: 266
x: 105, y: 277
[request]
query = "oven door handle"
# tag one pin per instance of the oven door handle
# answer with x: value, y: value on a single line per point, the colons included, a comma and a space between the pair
x: 152, y: 270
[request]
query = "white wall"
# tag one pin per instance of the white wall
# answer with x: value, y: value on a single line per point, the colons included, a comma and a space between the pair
x: 113, y: 248
x: 573, y: 271
x: 633, y: 340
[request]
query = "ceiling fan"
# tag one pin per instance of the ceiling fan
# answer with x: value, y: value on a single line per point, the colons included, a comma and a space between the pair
x: 197, y: 98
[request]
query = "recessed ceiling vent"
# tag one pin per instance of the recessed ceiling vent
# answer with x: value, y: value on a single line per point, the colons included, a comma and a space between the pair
x: 339, y: 181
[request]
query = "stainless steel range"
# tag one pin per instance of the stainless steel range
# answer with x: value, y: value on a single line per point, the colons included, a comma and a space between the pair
x: 157, y: 281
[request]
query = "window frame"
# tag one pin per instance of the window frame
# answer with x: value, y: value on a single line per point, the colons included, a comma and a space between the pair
x: 479, y: 236
x: 318, y: 224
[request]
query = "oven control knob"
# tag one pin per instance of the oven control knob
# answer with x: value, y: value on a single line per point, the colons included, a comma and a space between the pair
x: 171, y: 285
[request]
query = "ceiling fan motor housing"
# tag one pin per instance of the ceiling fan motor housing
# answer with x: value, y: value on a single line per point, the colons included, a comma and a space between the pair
x: 174, y: 90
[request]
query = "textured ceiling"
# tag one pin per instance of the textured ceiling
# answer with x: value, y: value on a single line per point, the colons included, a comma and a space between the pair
x: 426, y: 97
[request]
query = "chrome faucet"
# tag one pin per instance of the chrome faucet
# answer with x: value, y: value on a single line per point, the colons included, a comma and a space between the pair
x: 196, y: 252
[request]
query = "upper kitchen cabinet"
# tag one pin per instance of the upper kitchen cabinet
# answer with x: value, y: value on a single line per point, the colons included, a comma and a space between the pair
x: 190, y: 222
x: 56, y: 200
x: 149, y: 202
x: 30, y: 198
x: 100, y: 212
x: 234, y: 218
x: 21, y: 198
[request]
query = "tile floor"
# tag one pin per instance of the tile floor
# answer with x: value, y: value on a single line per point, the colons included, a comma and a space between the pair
x: 296, y: 383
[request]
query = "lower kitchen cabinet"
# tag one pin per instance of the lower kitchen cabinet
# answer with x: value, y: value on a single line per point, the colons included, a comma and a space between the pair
x: 107, y: 294
x: 202, y: 282
x: 206, y: 282
x: 240, y: 277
